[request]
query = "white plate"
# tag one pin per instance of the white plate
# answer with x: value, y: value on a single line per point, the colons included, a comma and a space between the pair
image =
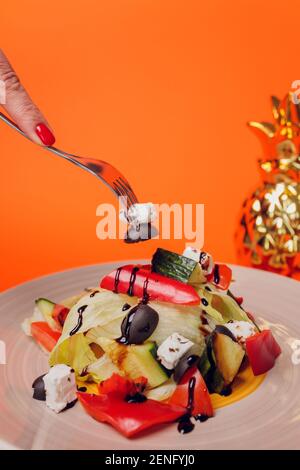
x: 267, y: 419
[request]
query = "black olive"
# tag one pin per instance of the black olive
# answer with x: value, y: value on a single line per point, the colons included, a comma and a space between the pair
x: 138, y: 325
x: 187, y: 361
x: 225, y: 331
x: 39, y: 392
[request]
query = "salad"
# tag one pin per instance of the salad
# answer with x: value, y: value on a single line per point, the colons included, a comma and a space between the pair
x: 151, y: 345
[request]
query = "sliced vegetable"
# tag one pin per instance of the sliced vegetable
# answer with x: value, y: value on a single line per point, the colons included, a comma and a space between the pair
x: 74, y: 352
x: 209, y: 370
x: 221, y: 276
x: 221, y: 307
x: 204, y: 364
x: 54, y: 314
x: 201, y: 400
x: 239, y: 300
x: 178, y: 267
x: 136, y: 360
x: 44, y: 335
x: 119, y: 404
x: 262, y: 350
x: 105, y: 314
x: 118, y: 385
x: 102, y: 369
x: 137, y: 281
x: 162, y: 392
x: 60, y: 314
x: 172, y: 265
x: 228, y: 353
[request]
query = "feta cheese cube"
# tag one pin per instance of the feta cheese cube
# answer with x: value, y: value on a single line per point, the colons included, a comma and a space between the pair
x: 140, y: 213
x: 192, y: 253
x: 172, y: 349
x: 60, y: 387
x: 241, y: 330
x: 36, y: 316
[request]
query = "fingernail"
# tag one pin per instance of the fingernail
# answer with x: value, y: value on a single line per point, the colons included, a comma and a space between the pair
x: 44, y: 133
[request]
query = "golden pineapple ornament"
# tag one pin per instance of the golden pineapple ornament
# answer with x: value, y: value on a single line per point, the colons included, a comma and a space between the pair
x: 268, y: 235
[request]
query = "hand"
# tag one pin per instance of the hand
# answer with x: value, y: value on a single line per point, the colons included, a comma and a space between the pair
x: 21, y: 108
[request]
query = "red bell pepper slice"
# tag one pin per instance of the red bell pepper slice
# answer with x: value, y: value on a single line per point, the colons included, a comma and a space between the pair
x: 121, y: 386
x: 221, y: 276
x: 44, y: 335
x: 262, y: 350
x: 60, y: 313
x: 127, y: 417
x: 202, y: 402
x: 158, y: 287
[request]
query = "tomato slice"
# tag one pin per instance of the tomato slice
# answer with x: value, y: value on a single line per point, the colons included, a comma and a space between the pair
x: 44, y: 335
x: 60, y: 314
x: 134, y: 280
x: 221, y: 276
x: 262, y: 350
x: 201, y: 402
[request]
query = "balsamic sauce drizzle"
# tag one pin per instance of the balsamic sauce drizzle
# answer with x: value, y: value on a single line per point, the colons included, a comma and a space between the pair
x: 125, y: 307
x: 217, y: 274
x: 185, y: 424
x: 80, y: 320
x: 94, y: 293
x: 124, y: 339
x: 136, y: 398
x: 201, y: 418
x: 117, y: 280
x: 202, y: 256
x: 132, y: 280
x: 145, y: 298
x: 204, y: 302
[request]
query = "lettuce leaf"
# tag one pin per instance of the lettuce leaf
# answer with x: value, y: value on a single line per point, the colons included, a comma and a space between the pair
x: 73, y: 351
x: 103, y: 316
x: 221, y: 307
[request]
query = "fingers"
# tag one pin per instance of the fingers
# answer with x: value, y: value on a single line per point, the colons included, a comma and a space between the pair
x: 21, y: 108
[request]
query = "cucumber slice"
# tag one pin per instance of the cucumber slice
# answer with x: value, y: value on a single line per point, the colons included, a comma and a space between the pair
x: 135, y: 360
x: 102, y: 369
x: 172, y: 265
x: 46, y: 308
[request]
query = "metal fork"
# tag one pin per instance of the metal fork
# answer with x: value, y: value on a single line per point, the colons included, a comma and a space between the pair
x: 108, y: 174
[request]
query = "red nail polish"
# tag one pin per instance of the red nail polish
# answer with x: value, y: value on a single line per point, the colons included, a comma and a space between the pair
x: 45, y: 134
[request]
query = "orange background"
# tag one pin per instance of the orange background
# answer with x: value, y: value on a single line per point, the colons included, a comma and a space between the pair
x: 160, y: 88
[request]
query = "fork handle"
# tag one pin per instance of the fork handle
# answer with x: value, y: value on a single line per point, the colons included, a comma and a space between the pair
x: 67, y: 156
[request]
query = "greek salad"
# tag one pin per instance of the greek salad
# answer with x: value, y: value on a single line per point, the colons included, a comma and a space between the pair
x: 150, y: 345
